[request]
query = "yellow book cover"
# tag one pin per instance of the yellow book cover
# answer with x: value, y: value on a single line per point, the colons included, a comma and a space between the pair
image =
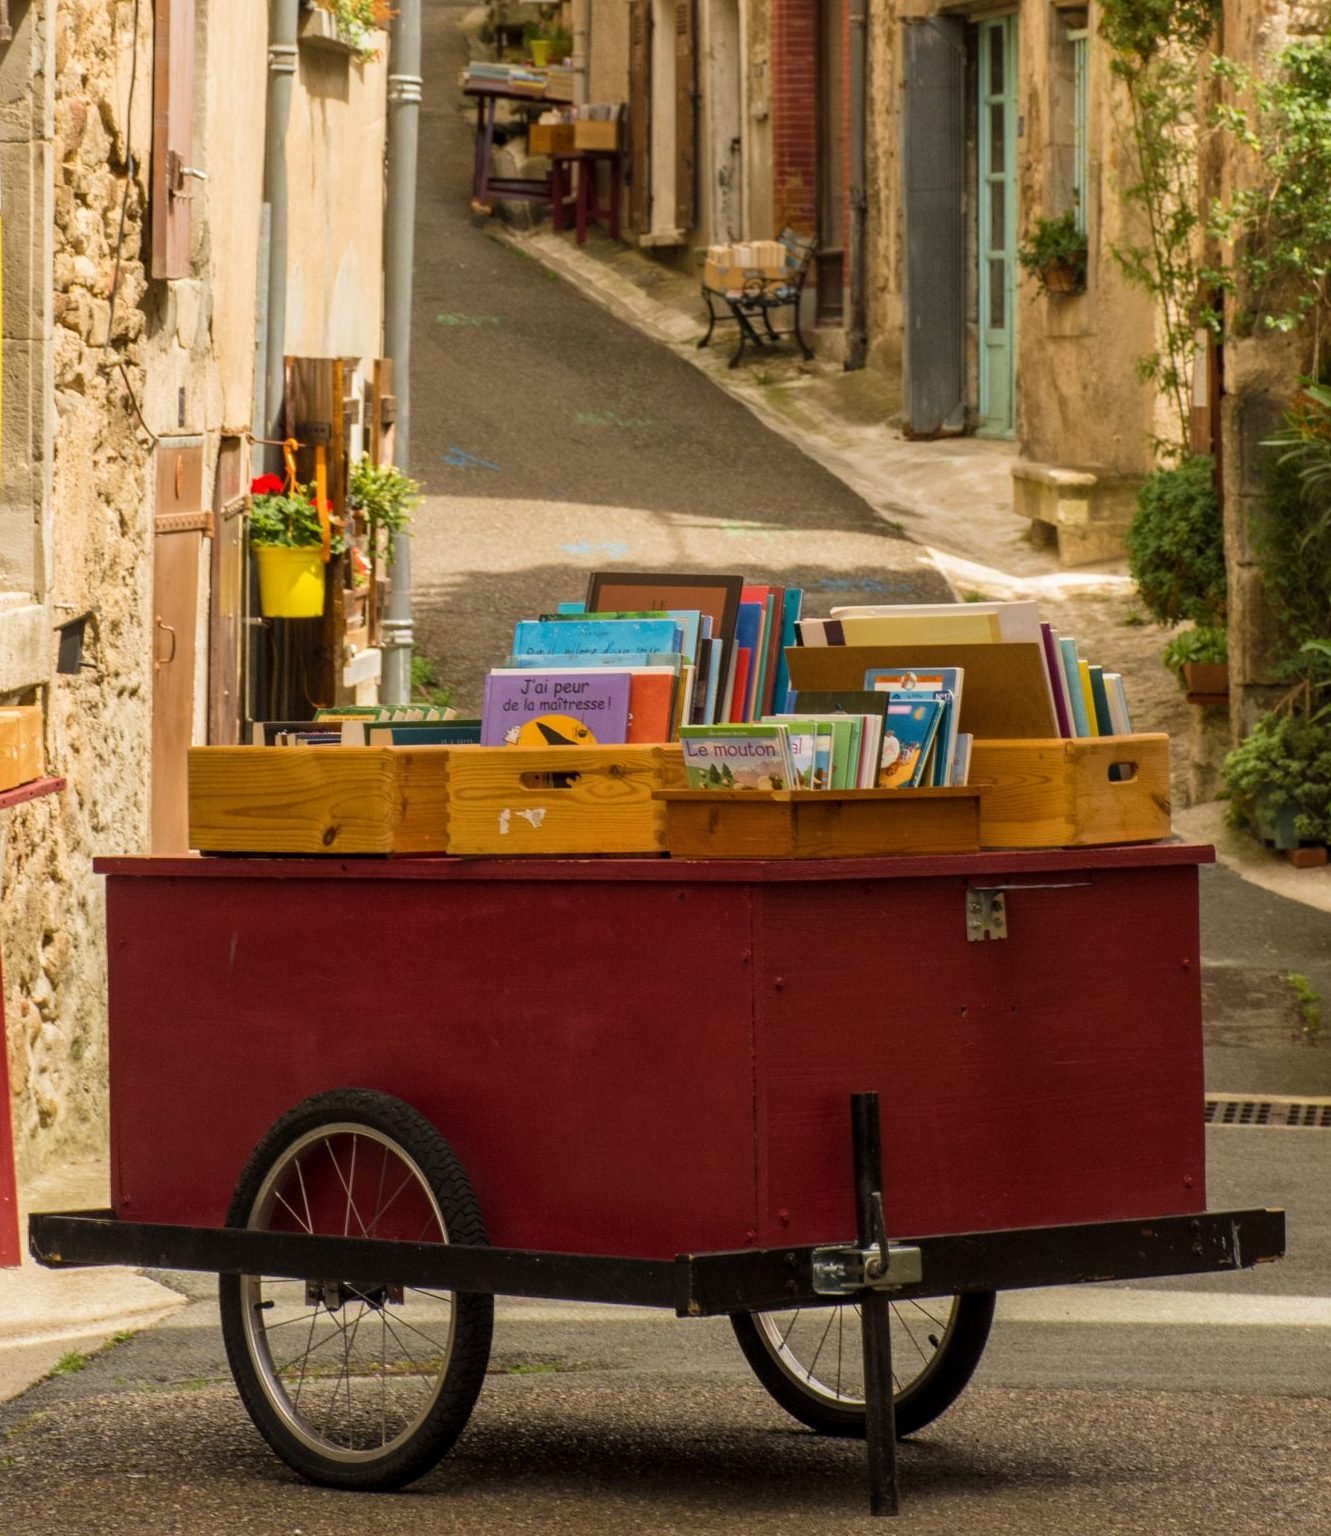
x: 1084, y: 671
x: 959, y: 628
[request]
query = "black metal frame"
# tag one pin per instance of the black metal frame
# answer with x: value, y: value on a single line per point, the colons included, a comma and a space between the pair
x: 712, y: 1284
x: 759, y: 299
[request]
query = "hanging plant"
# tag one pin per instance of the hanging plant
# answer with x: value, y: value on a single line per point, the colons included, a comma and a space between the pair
x: 357, y: 23
x: 1055, y: 253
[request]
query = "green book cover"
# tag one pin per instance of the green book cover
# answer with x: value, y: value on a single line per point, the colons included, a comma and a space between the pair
x: 737, y: 756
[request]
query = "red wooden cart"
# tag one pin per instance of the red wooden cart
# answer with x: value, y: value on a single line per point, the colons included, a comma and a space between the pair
x: 659, y: 1083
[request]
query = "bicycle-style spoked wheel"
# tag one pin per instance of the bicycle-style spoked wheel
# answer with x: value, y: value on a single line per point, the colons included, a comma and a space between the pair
x: 811, y: 1358
x: 356, y: 1386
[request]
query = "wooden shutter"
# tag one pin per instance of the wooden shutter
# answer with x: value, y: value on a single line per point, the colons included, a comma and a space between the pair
x: 173, y: 142
x: 686, y: 113
x: 933, y: 166
x: 640, y: 115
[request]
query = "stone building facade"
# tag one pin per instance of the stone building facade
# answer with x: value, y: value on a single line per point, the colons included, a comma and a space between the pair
x: 129, y: 404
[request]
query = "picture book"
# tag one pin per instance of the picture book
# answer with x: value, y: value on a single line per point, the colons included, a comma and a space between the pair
x: 690, y: 622
x: 532, y: 709
x: 961, y: 763
x: 791, y: 606
x: 958, y: 624
x: 912, y: 725
x: 737, y: 757
x: 573, y: 637
x: 803, y: 738
x: 655, y: 693
x: 1088, y: 699
x: 941, y: 683
x: 1118, y: 704
x: 748, y: 638
x: 410, y: 733
x: 621, y: 661
x: 1100, y: 698
x: 1058, y: 678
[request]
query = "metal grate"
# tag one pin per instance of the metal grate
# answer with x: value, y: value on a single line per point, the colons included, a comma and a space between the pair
x: 1271, y: 1109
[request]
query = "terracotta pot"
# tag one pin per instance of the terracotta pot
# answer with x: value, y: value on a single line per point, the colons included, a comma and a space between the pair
x: 1061, y: 278
x: 1206, y: 682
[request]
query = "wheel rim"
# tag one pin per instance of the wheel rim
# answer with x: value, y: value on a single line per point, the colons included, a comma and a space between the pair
x: 819, y: 1348
x: 351, y: 1371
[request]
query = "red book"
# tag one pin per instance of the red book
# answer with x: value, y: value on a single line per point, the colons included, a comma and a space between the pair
x: 651, y: 707
x: 743, y: 660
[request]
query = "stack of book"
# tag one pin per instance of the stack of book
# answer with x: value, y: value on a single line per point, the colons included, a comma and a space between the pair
x: 643, y: 656
x: 371, y: 725
x: 486, y: 75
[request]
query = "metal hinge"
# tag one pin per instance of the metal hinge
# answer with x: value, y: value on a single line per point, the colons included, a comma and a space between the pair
x: 843, y: 1271
x: 986, y: 907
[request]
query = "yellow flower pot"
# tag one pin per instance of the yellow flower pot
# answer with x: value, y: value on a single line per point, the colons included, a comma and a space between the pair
x: 291, y: 581
x: 540, y: 51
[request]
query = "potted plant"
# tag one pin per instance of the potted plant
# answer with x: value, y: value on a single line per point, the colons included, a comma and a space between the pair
x: 1279, y: 778
x: 384, y: 498
x: 1199, y: 659
x: 1055, y: 252
x: 286, y: 534
x: 355, y: 24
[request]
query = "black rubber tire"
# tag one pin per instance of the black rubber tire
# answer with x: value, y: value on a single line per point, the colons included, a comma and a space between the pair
x: 917, y: 1402
x: 460, y: 1371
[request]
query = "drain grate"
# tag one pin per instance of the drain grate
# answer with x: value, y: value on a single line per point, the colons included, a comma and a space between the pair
x: 1271, y: 1109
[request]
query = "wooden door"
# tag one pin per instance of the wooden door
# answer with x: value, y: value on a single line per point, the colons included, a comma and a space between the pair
x: 180, y: 526
x: 686, y: 113
x: 173, y: 187
x: 226, y: 607
x: 640, y: 115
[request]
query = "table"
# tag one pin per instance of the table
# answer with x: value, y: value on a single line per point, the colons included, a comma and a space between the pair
x: 485, y: 185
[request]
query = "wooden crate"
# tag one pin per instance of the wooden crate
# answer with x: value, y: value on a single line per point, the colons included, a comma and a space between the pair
x: 336, y: 800
x: 557, y: 800
x: 594, y: 133
x: 550, y: 138
x: 1055, y: 793
x: 20, y: 745
x: 819, y: 823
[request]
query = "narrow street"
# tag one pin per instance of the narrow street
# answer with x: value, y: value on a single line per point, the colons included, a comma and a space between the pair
x: 553, y: 440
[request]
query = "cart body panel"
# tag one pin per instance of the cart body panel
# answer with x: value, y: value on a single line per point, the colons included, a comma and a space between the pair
x: 645, y: 1057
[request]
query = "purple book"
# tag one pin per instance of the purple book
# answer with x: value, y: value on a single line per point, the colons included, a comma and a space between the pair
x: 1054, y: 663
x: 555, y: 709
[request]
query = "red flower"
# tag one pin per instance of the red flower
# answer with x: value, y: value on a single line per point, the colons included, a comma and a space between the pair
x: 314, y: 502
x: 266, y: 485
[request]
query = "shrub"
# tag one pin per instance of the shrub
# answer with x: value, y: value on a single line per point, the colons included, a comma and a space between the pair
x: 1176, y: 545
x: 1200, y: 645
x: 1285, y: 765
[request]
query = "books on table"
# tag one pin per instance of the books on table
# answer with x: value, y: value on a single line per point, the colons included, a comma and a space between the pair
x: 745, y: 756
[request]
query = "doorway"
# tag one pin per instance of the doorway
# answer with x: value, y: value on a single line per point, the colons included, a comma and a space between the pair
x: 831, y: 161
x: 725, y: 126
x: 996, y: 204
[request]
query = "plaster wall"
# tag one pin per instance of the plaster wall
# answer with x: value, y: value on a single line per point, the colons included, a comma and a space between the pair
x: 608, y: 51
x: 335, y: 165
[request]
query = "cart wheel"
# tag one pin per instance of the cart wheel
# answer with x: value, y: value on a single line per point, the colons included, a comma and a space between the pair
x: 361, y: 1387
x: 810, y: 1358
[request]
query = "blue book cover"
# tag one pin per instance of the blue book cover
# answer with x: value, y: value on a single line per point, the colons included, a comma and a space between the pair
x: 555, y: 709
x: 716, y: 655
x: 690, y: 621
x: 748, y: 631
x: 621, y: 659
x: 576, y: 637
x: 911, y: 727
x: 1080, y: 723
x: 791, y: 608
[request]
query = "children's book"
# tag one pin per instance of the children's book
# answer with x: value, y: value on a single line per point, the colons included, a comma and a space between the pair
x: 912, y: 725
x: 532, y: 709
x: 1100, y: 698
x: 1087, y: 697
x: 1118, y: 704
x: 574, y: 636
x: 791, y: 606
x: 1053, y: 661
x: 961, y: 763
x: 942, y: 683
x: 410, y: 733
x: 737, y: 756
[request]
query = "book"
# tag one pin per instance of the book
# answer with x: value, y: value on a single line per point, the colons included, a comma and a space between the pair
x: 744, y: 756
x: 555, y: 709
x: 1080, y: 723
x: 410, y: 733
x: 868, y: 704
x: 911, y: 727
x: 574, y: 636
x: 748, y: 638
x: 1088, y: 699
x: 961, y: 763
x: 655, y: 692
x: 1118, y: 704
x: 955, y: 624
x: 1058, y: 678
x: 743, y: 657
x: 942, y: 683
x: 792, y: 605
x: 1100, y: 698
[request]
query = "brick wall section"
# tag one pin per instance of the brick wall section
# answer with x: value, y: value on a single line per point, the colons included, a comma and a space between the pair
x: 794, y: 113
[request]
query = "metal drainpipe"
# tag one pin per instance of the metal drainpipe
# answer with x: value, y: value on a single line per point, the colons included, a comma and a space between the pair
x: 857, y: 343
x: 404, y: 102
x: 581, y: 42
x: 282, y: 20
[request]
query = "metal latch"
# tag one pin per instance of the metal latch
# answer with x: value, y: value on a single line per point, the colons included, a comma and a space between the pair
x: 986, y: 914
x: 843, y: 1271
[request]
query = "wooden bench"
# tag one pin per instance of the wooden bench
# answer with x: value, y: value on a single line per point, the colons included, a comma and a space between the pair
x: 761, y: 298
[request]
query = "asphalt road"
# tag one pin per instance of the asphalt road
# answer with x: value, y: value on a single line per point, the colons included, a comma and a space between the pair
x: 554, y: 440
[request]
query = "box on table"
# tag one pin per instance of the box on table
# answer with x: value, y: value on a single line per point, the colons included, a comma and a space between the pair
x: 336, y: 800
x: 559, y: 800
x: 595, y: 133
x: 819, y: 823
x: 550, y: 138
x: 1058, y: 793
x: 21, y: 759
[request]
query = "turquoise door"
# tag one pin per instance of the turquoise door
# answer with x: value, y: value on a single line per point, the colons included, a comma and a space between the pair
x: 997, y: 242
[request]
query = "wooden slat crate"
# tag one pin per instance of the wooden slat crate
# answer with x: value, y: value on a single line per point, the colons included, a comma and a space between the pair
x: 819, y: 823
x: 1054, y: 793
x: 558, y: 800
x: 336, y: 800
x: 20, y: 745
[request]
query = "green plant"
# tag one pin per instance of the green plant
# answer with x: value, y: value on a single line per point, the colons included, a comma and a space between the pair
x: 386, y: 498
x: 1308, y: 1001
x: 1279, y: 223
x: 1156, y: 52
x: 286, y: 516
x: 425, y: 684
x: 69, y: 1365
x: 1176, y: 545
x: 1292, y: 536
x: 1285, y: 764
x: 357, y: 22
x: 1201, y: 645
x: 1055, y: 253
